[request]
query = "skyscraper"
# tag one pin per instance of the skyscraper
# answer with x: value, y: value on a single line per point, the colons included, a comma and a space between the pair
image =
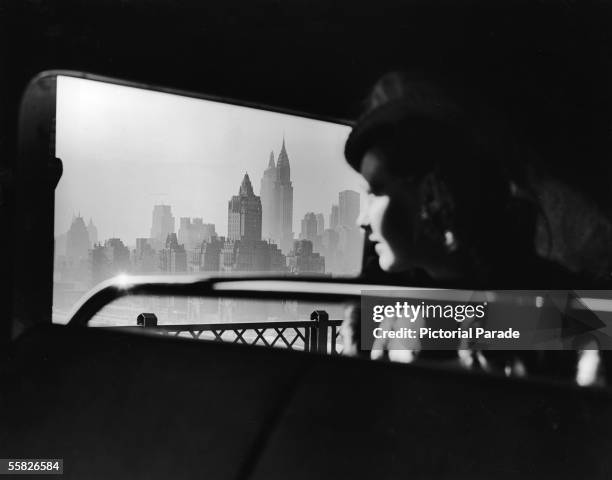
x: 210, y: 253
x: 173, y: 257
x: 100, y: 266
x: 118, y: 255
x: 244, y: 213
x: 162, y: 225
x: 244, y: 250
x: 193, y: 233
x: 309, y: 227
x: 251, y: 256
x: 202, y: 231
x: 269, y: 202
x: 77, y: 239
x: 342, y: 242
x: 93, y: 233
x: 333, y: 217
x: 348, y: 208
x: 285, y: 199
x: 184, y: 230
x: 277, y: 201
x: 320, y: 223
x: 144, y: 258
x: 108, y: 260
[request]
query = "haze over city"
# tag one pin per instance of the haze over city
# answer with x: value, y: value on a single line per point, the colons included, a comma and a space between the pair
x: 141, y: 148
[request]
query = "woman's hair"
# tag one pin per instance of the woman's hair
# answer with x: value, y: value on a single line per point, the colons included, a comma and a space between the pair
x: 469, y: 186
x: 498, y: 196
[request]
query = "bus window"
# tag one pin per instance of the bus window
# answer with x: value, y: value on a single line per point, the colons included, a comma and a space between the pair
x: 157, y: 183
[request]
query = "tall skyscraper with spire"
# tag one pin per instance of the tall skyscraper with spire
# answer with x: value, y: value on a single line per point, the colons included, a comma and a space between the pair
x: 285, y: 202
x: 244, y: 213
x: 269, y: 202
x: 277, y: 200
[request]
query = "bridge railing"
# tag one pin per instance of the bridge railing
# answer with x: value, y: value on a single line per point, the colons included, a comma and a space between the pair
x: 319, y: 334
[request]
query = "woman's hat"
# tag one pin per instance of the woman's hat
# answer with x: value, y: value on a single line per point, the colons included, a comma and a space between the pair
x: 396, y: 100
x: 537, y: 73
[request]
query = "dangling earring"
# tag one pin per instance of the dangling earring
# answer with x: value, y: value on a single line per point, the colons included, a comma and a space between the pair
x: 450, y: 242
x: 436, y: 212
x: 424, y: 214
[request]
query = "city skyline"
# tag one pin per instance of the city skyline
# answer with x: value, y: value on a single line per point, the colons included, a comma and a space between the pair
x: 129, y: 157
x: 322, y: 221
x: 82, y: 259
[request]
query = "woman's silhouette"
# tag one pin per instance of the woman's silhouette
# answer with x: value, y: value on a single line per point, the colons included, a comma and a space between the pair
x: 458, y: 198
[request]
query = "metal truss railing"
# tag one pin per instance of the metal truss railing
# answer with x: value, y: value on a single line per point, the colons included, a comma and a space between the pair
x: 316, y: 335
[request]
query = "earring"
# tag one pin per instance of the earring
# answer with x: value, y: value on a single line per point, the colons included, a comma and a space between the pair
x: 450, y: 242
x: 424, y: 214
x: 436, y: 213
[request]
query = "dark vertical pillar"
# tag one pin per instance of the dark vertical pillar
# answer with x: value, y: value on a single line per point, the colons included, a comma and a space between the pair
x: 322, y: 319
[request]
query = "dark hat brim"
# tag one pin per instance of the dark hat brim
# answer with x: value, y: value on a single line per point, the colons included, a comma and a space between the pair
x: 390, y: 115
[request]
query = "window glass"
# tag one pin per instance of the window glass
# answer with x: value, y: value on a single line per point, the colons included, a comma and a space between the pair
x: 157, y: 183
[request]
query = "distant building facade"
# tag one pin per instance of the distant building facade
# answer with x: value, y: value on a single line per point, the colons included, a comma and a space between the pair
x: 192, y: 233
x: 342, y: 243
x: 77, y: 239
x: 320, y: 223
x: 109, y: 260
x: 333, y: 217
x: 92, y: 231
x: 348, y: 208
x: 302, y: 259
x: 309, y: 227
x: 251, y: 256
x: 144, y: 257
x: 210, y: 254
x: 173, y: 257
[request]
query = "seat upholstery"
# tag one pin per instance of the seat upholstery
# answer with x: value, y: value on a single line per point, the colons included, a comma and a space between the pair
x: 116, y: 405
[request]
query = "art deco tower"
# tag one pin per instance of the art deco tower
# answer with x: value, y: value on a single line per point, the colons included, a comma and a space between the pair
x: 285, y: 199
x: 269, y: 203
x: 277, y: 201
x: 244, y: 213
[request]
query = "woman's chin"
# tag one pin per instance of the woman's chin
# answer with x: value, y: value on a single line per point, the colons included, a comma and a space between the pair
x: 387, y: 263
x: 391, y: 264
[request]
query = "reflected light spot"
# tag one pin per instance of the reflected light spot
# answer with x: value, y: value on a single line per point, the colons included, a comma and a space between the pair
x: 123, y: 280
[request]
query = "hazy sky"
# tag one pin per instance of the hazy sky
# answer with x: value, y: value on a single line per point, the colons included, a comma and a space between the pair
x: 125, y: 150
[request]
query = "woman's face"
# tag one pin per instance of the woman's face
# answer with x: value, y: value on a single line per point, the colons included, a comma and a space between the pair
x: 390, y: 213
x: 393, y: 216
